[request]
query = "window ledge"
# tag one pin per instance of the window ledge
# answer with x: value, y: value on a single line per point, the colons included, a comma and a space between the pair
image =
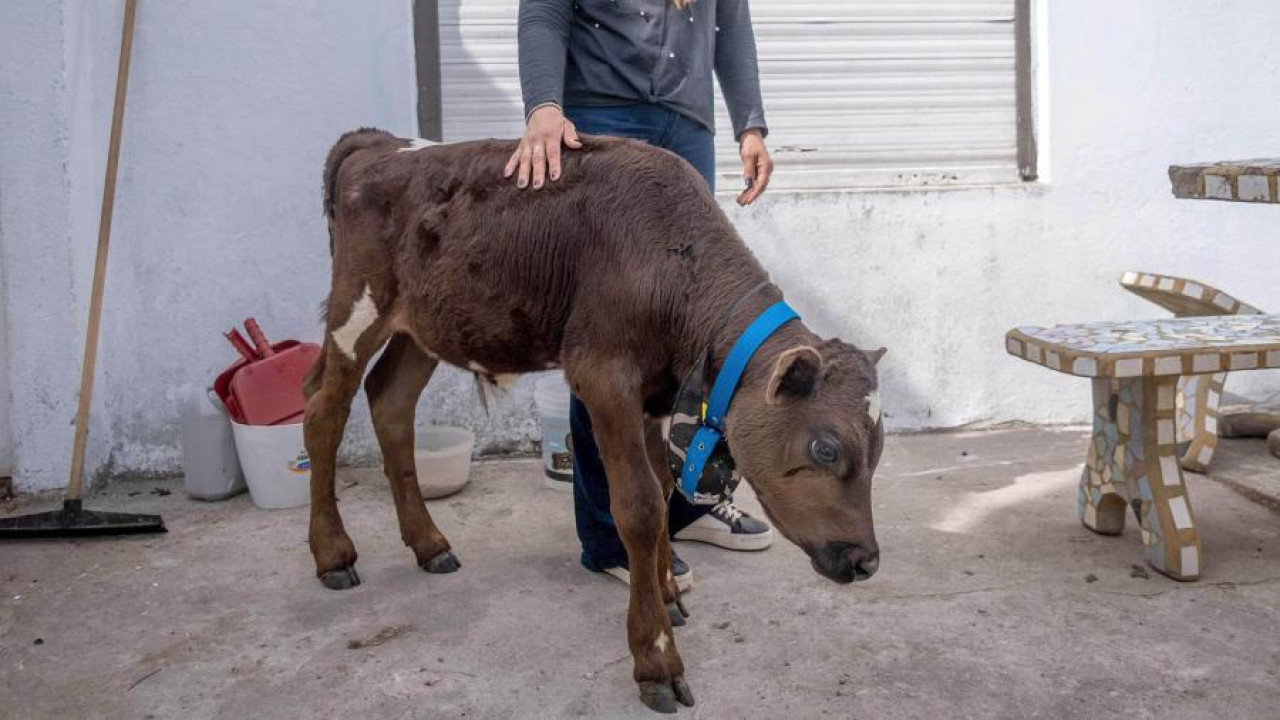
x: 1034, y: 188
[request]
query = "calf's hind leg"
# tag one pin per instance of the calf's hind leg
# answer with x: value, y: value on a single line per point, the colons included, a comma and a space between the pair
x: 393, y: 388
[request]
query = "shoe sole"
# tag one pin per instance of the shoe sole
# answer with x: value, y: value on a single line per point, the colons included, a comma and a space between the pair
x: 561, y: 485
x: 683, y: 583
x: 728, y: 541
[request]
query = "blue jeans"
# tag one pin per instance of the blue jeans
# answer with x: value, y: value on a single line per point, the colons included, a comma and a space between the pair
x: 601, y: 546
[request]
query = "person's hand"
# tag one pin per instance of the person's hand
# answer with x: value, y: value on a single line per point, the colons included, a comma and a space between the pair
x: 757, y: 166
x: 539, y: 149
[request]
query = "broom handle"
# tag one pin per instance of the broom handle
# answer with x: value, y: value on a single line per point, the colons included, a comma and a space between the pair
x: 74, y: 485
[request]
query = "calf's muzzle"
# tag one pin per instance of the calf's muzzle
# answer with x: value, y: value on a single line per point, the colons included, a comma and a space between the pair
x: 846, y: 562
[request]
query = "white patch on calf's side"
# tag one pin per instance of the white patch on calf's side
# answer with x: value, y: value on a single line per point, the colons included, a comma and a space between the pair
x: 873, y: 405
x: 418, y: 144
x: 661, y: 642
x: 363, y: 314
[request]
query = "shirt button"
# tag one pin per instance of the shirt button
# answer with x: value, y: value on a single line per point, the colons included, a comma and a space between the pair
x: 672, y: 55
x: 597, y: 24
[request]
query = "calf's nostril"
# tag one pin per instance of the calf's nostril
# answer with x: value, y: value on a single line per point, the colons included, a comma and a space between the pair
x: 868, y: 566
x: 864, y: 561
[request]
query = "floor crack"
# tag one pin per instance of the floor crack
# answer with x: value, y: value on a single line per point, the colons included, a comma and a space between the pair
x: 1251, y: 494
x: 1221, y: 584
x: 953, y: 593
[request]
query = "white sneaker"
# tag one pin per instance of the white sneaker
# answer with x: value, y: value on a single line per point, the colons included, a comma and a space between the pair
x: 684, y: 576
x: 730, y: 528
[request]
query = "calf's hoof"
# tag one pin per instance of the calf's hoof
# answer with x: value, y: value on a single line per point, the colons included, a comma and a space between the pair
x: 445, y: 562
x: 659, y: 697
x: 683, y: 693
x: 676, y: 616
x: 662, y: 696
x: 344, y: 578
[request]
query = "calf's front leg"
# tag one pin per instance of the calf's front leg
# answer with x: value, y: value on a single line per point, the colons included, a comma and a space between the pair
x: 656, y: 446
x: 637, y: 503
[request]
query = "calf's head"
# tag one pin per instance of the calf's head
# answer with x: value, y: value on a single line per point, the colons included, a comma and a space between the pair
x: 807, y: 434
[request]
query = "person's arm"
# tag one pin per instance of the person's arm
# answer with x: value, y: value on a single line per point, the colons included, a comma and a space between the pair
x: 543, y: 34
x: 739, y: 75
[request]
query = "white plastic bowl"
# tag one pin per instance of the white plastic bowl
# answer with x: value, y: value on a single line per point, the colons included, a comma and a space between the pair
x: 442, y: 457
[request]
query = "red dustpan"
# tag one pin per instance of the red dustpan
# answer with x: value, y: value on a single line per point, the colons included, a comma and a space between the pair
x: 267, y: 390
x: 222, y: 383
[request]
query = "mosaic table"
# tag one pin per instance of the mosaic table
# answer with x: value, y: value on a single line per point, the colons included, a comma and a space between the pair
x: 1132, y: 458
x: 1240, y: 181
x: 1198, y: 395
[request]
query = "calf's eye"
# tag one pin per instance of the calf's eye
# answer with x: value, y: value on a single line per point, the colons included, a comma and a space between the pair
x: 824, y: 451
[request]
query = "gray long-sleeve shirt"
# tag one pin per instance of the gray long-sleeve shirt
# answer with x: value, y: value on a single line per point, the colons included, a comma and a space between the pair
x: 617, y: 52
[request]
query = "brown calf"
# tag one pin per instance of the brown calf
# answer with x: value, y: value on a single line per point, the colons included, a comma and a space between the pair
x: 621, y: 273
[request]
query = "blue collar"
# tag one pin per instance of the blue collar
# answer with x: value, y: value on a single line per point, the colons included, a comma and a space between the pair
x: 765, y: 324
x: 712, y: 430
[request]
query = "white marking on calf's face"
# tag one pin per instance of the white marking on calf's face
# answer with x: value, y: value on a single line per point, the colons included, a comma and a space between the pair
x: 873, y: 405
x: 363, y: 314
x: 418, y: 144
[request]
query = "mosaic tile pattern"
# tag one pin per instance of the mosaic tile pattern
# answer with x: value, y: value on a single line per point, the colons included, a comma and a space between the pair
x: 1240, y: 181
x: 1184, y: 298
x: 1133, y: 456
x: 1197, y: 403
x: 1132, y: 462
x: 1138, y: 348
x: 1198, y: 395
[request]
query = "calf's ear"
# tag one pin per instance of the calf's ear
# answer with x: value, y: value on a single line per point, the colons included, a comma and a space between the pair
x: 795, y: 375
x: 875, y: 355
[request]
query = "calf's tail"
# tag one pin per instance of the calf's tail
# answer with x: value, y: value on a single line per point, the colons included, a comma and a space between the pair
x: 347, y: 144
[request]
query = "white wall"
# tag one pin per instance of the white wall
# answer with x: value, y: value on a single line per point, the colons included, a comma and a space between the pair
x: 6, y: 433
x: 231, y: 112
x: 939, y: 276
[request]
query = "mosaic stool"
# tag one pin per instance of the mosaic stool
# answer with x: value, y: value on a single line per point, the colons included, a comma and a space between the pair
x: 1132, y: 458
x: 1198, y: 395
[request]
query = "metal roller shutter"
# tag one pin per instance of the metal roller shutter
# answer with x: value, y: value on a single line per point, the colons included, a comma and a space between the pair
x: 479, y: 74
x: 874, y: 93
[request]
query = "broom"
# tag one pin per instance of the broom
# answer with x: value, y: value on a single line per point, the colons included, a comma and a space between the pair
x: 73, y: 519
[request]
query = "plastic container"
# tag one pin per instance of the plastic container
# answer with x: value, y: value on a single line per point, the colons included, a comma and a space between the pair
x: 551, y: 395
x: 276, y: 467
x: 211, y: 466
x: 442, y: 458
x: 222, y: 383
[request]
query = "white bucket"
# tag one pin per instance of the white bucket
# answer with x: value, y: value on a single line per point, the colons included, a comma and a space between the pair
x: 442, y: 459
x: 551, y: 395
x: 275, y: 464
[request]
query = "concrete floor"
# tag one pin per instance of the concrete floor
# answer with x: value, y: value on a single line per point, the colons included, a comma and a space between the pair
x: 992, y: 601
